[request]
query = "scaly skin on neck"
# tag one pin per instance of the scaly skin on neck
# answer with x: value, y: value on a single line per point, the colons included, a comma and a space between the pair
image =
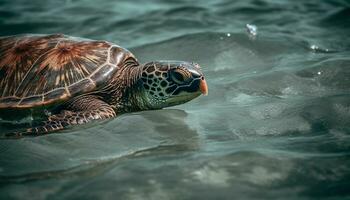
x: 124, y: 92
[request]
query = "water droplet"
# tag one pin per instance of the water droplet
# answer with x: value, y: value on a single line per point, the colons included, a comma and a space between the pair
x: 318, y: 49
x: 252, y: 29
x: 313, y: 47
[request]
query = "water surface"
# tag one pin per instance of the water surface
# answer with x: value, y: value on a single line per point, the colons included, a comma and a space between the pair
x: 275, y: 125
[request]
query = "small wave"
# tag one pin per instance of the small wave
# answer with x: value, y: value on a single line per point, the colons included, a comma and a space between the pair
x: 339, y: 18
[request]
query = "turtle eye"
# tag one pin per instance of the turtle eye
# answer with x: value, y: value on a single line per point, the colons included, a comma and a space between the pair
x: 179, y: 76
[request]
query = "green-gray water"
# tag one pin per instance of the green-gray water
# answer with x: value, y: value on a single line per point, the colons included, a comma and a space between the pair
x: 275, y: 125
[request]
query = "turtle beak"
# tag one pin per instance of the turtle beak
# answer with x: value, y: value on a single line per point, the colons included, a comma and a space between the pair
x: 203, y: 87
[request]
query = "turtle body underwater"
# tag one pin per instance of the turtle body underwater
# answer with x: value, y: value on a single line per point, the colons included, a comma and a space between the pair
x: 69, y: 81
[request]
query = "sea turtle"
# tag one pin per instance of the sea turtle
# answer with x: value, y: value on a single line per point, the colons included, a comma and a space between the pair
x: 69, y: 80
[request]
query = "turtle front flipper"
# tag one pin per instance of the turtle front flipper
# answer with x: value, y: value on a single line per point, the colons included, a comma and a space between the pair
x: 80, y: 110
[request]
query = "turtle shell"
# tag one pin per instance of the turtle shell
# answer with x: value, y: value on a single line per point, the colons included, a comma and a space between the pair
x: 39, y: 70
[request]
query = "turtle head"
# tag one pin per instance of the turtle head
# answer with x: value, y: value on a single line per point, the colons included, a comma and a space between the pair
x: 169, y: 83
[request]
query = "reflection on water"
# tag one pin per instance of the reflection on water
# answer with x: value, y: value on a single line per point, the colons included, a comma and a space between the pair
x: 275, y: 124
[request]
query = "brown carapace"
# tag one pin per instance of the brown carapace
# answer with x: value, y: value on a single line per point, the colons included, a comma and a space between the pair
x: 75, y: 81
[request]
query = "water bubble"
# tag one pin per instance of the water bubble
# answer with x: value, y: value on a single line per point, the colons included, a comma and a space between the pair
x: 228, y: 34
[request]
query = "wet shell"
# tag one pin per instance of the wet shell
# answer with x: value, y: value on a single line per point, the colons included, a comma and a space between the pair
x: 39, y: 70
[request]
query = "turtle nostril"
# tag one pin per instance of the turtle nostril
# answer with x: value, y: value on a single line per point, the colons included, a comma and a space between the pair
x: 202, y: 78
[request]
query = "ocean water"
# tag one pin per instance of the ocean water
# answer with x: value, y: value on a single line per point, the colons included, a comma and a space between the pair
x: 275, y: 125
